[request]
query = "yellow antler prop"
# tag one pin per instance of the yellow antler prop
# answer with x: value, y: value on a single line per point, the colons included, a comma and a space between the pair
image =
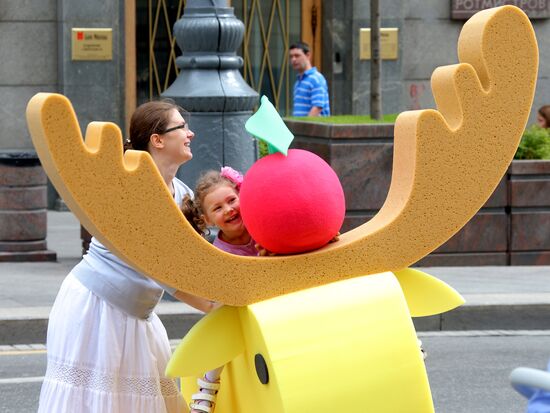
x: 446, y: 165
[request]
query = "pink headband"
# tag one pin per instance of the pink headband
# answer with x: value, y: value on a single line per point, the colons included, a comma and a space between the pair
x: 232, y: 175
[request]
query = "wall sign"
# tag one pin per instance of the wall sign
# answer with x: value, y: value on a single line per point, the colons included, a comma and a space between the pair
x: 464, y: 9
x: 92, y: 44
x: 389, y: 45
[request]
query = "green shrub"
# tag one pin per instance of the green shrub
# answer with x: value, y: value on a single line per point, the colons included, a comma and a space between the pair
x: 262, y: 149
x: 535, y: 144
x: 346, y: 119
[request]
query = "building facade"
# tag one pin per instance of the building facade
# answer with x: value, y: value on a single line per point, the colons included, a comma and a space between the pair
x: 36, y: 47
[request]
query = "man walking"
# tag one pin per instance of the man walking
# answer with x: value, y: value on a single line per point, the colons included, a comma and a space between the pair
x: 310, y: 90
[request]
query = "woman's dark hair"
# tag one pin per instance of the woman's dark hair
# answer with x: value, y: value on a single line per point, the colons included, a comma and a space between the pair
x: 193, y: 208
x: 544, y: 111
x: 149, y: 118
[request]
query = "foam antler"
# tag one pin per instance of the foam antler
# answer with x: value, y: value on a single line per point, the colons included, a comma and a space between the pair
x: 446, y: 165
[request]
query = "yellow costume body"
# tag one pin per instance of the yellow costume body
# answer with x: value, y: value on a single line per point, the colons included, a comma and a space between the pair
x: 334, y: 347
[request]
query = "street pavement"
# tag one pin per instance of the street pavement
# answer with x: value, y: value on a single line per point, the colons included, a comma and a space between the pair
x: 497, y: 298
x: 468, y: 372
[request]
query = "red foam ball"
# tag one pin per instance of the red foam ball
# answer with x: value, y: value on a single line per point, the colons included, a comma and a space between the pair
x: 292, y: 204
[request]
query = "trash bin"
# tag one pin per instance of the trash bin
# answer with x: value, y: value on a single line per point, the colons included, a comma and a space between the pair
x: 23, y: 214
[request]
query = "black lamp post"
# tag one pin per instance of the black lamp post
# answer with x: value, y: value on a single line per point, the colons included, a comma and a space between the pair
x: 212, y: 89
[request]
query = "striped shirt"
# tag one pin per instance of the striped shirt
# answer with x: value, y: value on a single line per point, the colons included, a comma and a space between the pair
x: 310, y: 90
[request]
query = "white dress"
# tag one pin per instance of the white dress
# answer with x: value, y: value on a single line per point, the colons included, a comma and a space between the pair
x: 101, y: 360
x: 107, y: 349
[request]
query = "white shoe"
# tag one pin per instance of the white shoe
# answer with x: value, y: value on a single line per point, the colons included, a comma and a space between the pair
x: 205, y: 399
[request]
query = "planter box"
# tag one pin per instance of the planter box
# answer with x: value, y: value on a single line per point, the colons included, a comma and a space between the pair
x: 483, y: 240
x: 529, y: 188
x: 23, y: 216
x: 499, y: 234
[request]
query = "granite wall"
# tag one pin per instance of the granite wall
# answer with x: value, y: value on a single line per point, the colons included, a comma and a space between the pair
x: 35, y: 51
x: 28, y: 64
x: 427, y: 40
x: 35, y: 46
x: 96, y: 88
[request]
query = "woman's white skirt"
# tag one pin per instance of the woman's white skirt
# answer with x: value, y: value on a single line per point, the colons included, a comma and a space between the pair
x: 102, y: 360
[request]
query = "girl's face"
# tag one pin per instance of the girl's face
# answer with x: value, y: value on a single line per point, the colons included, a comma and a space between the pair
x: 222, y: 209
x: 177, y: 139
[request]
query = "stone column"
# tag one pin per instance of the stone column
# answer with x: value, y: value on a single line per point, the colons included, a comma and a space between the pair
x: 212, y: 89
x: 23, y: 218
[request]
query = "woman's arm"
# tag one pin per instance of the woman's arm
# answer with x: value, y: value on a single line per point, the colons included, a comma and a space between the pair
x: 199, y: 303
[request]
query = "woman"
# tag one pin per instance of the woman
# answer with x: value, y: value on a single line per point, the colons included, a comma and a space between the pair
x: 543, y: 116
x: 107, y: 349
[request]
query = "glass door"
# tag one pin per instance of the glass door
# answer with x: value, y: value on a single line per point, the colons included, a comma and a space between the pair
x: 270, y: 27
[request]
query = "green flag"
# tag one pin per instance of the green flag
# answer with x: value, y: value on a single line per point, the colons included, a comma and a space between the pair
x: 267, y: 125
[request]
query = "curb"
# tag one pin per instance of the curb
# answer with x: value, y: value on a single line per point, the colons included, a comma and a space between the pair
x: 30, y: 325
x: 33, y: 330
x: 532, y: 316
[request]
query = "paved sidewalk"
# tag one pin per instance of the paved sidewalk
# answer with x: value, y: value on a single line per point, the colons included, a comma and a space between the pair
x: 507, y: 298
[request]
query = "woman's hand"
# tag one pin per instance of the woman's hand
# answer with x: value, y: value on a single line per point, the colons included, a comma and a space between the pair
x: 262, y: 252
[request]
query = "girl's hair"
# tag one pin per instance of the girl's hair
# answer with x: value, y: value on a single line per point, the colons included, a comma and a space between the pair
x: 193, y: 208
x: 544, y: 111
x: 149, y: 118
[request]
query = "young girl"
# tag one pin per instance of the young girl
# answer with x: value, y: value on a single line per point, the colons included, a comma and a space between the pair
x: 216, y: 204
